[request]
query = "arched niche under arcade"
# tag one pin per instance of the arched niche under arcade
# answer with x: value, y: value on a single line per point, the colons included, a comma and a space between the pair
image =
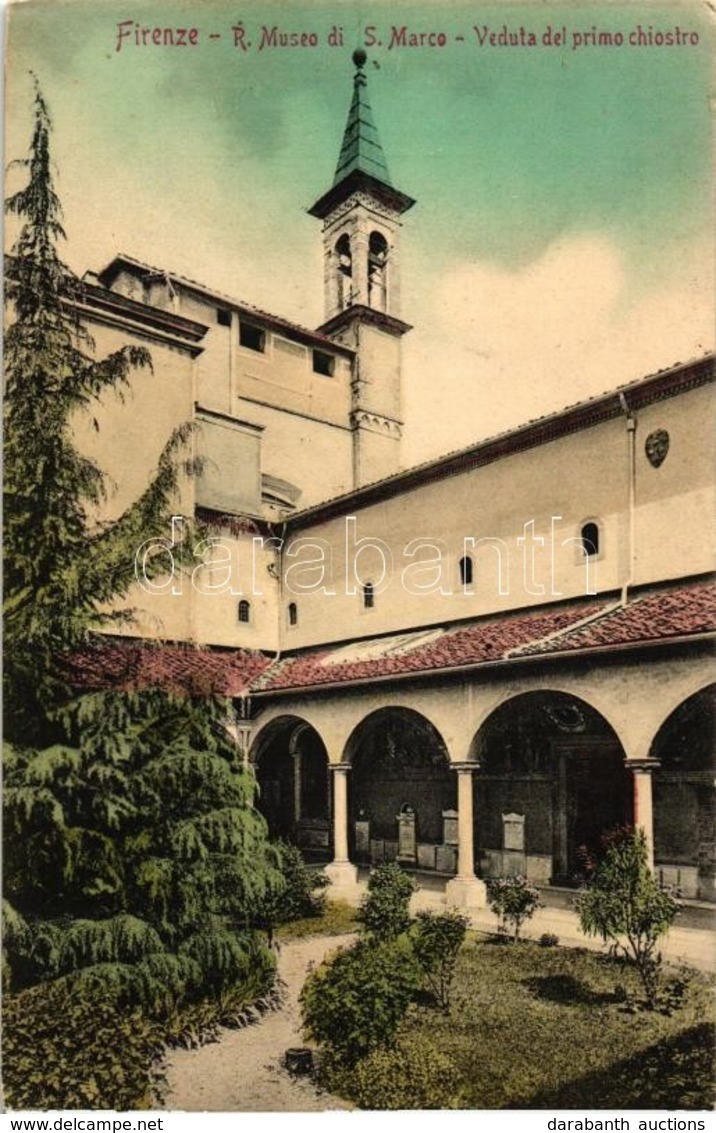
x: 685, y: 797
x: 291, y: 766
x: 551, y: 781
x: 402, y: 792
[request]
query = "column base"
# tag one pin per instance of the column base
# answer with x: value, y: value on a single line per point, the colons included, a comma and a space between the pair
x: 466, y: 893
x: 343, y: 877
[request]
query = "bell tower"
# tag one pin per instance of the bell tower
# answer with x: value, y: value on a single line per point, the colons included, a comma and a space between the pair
x: 361, y: 242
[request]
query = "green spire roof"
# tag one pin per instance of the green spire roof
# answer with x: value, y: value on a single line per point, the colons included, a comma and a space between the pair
x: 361, y: 150
x: 361, y: 164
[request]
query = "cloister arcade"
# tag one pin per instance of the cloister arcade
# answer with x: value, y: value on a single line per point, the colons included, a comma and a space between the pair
x: 470, y: 781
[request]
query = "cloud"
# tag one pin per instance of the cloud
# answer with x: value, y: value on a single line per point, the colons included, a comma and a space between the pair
x: 507, y: 346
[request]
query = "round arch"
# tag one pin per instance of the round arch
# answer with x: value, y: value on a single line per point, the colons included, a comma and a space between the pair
x: 291, y: 765
x: 551, y: 781
x: 685, y: 796
x: 401, y: 786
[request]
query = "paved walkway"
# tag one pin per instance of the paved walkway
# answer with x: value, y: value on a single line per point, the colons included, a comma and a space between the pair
x: 243, y: 1072
x: 695, y: 946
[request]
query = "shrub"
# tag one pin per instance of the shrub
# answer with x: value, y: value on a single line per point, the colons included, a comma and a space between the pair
x: 513, y: 900
x: 65, y: 1051
x: 384, y: 910
x: 548, y: 940
x: 301, y: 894
x: 624, y: 905
x: 414, y: 1074
x: 355, y: 1001
x: 437, y: 939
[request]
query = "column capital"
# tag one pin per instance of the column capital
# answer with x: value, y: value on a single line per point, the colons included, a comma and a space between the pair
x: 642, y: 766
x: 343, y: 767
x: 465, y: 765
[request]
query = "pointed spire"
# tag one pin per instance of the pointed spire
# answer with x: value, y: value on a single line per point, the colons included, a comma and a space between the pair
x: 361, y: 163
x: 361, y: 150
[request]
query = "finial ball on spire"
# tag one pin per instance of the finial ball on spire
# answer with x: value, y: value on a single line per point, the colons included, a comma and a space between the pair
x: 359, y: 57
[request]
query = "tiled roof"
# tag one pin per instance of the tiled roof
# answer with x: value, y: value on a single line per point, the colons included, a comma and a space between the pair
x: 484, y: 641
x: 200, y: 672
x: 680, y: 611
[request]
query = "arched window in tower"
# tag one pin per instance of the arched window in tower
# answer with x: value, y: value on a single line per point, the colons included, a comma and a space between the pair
x: 344, y: 272
x: 368, y: 596
x: 244, y: 611
x: 292, y: 614
x: 466, y: 571
x: 590, y: 539
x: 378, y: 272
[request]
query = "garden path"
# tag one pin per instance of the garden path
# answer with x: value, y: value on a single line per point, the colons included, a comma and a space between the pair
x: 243, y: 1071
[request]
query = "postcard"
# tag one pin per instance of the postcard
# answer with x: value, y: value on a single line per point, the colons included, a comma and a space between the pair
x: 359, y: 607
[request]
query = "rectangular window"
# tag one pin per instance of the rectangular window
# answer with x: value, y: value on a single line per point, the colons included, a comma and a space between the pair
x: 251, y: 337
x: 223, y: 317
x: 323, y: 363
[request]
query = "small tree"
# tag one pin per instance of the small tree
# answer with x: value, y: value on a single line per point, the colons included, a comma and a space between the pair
x: 437, y: 938
x: 513, y: 900
x: 384, y: 910
x: 624, y: 905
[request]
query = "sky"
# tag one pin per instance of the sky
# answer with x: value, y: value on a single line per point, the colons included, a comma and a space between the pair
x: 561, y: 243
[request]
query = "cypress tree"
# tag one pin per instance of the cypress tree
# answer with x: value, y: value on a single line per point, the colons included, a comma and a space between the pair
x: 134, y: 855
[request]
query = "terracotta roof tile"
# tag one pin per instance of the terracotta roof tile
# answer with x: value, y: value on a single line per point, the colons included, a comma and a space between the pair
x: 682, y: 611
x: 132, y: 665
x: 678, y: 611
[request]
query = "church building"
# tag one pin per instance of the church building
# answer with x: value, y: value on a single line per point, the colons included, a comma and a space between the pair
x: 476, y: 666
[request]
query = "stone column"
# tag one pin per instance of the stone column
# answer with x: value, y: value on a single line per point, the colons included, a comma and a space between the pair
x: 296, y: 786
x: 643, y: 801
x: 465, y: 890
x: 359, y: 253
x: 341, y: 871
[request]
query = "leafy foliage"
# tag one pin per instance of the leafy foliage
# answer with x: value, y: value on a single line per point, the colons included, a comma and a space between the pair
x: 141, y: 840
x: 134, y: 858
x: 63, y: 567
x: 66, y: 1051
x: 384, y: 910
x: 355, y: 1001
x: 437, y: 939
x: 413, y: 1074
x: 302, y: 894
x: 513, y: 900
x: 624, y: 905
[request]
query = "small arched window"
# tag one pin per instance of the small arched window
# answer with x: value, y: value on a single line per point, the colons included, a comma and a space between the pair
x: 466, y: 572
x: 292, y: 614
x: 244, y: 611
x: 368, y: 596
x: 590, y: 539
x: 344, y: 262
x: 377, y: 262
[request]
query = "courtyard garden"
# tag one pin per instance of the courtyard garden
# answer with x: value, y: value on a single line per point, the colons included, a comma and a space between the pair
x: 423, y: 1013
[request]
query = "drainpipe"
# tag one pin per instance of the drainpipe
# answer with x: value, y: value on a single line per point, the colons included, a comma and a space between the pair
x: 279, y: 568
x: 631, y: 435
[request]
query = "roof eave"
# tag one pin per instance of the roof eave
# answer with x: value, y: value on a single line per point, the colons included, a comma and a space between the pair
x: 356, y: 181
x: 488, y: 666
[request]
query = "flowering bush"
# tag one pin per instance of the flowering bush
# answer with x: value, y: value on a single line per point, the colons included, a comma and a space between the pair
x: 513, y: 900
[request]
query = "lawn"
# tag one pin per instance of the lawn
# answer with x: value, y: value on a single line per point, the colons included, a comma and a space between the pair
x: 549, y: 1028
x: 337, y: 918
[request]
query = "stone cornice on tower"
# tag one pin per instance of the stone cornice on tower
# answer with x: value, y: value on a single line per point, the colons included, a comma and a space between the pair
x: 361, y: 313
